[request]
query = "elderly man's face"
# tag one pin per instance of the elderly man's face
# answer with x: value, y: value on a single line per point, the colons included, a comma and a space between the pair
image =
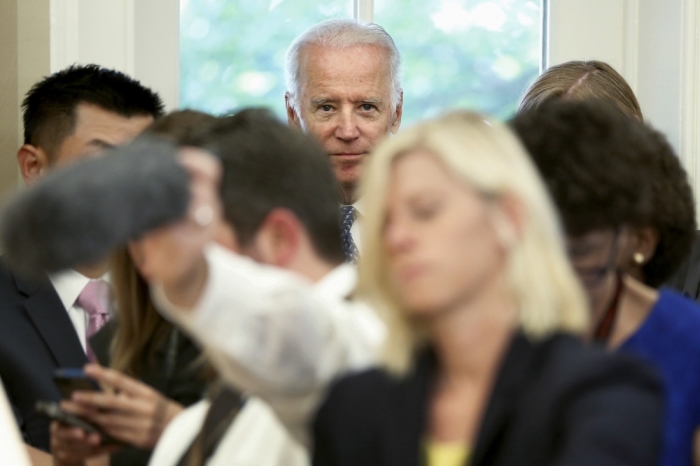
x: 345, y: 102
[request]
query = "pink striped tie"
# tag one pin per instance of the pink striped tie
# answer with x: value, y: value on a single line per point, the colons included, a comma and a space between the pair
x: 93, y: 299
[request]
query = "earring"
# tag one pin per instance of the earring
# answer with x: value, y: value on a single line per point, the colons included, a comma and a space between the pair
x: 638, y: 258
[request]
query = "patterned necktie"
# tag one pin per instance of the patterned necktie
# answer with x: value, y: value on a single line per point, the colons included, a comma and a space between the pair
x: 348, y: 216
x: 93, y: 299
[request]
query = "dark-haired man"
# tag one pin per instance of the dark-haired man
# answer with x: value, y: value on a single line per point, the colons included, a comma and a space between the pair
x: 280, y: 208
x: 70, y: 115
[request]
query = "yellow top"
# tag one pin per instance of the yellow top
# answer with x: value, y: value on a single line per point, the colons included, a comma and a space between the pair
x: 446, y: 454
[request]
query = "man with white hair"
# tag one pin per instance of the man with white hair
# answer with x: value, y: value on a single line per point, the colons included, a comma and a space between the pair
x: 344, y: 88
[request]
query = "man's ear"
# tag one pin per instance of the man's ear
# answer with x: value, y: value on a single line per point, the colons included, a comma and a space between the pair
x: 292, y: 117
x: 278, y: 239
x: 398, y: 113
x: 33, y: 163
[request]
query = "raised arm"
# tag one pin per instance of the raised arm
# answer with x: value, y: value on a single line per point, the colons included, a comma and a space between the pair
x: 264, y: 328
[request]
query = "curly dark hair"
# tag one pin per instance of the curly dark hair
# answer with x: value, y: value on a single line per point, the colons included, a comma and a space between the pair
x: 606, y: 170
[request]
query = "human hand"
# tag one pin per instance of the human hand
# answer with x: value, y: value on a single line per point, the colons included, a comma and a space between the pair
x: 127, y: 410
x: 173, y: 256
x: 71, y: 446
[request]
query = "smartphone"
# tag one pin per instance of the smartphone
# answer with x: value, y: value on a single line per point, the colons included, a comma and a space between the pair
x: 69, y: 380
x: 53, y: 411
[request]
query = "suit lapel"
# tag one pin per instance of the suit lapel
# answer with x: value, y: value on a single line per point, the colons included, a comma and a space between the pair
x: 504, y: 397
x: 51, y: 320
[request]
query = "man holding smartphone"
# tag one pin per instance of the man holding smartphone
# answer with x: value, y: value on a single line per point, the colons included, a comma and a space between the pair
x: 70, y: 115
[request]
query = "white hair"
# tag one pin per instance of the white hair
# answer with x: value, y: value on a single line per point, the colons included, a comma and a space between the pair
x: 339, y: 34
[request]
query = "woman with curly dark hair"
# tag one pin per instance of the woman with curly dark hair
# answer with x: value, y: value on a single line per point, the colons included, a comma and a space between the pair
x: 627, y: 209
x: 667, y: 241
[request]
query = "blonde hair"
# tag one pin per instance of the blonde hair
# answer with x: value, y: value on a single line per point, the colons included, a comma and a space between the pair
x: 486, y: 155
x: 582, y: 80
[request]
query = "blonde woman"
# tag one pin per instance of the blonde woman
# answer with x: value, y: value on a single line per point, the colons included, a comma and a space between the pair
x: 482, y: 363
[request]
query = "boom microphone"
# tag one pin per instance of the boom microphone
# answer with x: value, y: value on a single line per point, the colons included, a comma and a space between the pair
x: 78, y: 214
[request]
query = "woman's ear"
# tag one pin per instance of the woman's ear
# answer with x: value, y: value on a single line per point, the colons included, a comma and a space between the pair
x: 508, y: 219
x: 642, y: 245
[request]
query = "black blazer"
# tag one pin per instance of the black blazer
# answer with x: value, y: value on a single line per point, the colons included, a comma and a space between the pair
x: 686, y: 279
x: 555, y: 402
x: 36, y: 337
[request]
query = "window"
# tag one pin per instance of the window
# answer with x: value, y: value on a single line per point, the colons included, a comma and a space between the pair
x: 232, y: 51
x: 457, y: 53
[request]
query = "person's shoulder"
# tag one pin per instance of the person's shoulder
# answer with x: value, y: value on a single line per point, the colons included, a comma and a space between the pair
x: 672, y: 327
x: 672, y: 300
x: 179, y: 433
x: 8, y: 282
x: 14, y: 291
x: 192, y: 414
x: 361, y: 387
x: 570, y: 362
x: 348, y: 423
x: 357, y: 399
x: 676, y: 317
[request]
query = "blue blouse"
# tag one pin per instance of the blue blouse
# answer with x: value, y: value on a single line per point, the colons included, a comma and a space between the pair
x: 670, y: 340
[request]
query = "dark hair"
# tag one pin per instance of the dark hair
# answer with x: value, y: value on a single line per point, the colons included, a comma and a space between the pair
x: 606, y: 170
x: 268, y: 165
x: 49, y: 106
x: 181, y: 127
x: 582, y: 80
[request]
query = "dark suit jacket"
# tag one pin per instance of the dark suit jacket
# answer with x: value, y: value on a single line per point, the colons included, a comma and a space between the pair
x: 36, y: 337
x: 686, y: 280
x: 554, y: 402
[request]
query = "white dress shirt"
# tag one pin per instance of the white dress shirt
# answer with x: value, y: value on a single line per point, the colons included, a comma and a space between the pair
x: 69, y: 284
x: 272, y: 333
x: 255, y: 438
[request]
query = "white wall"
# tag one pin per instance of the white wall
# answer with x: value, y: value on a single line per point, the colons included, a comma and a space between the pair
x: 655, y: 45
x: 38, y: 37
x: 138, y: 37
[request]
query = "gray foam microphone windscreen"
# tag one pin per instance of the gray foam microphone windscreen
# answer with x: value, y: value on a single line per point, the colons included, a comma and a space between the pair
x: 78, y: 214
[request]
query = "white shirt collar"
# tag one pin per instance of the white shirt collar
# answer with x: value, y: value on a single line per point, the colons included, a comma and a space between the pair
x: 68, y: 284
x: 358, y: 205
x: 339, y: 283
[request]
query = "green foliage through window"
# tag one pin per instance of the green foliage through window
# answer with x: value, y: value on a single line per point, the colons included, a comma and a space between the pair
x: 457, y: 53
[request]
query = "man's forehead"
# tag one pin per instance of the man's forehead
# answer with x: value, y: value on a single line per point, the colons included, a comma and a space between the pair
x: 97, y: 129
x: 360, y: 70
x: 317, y: 58
x: 93, y: 118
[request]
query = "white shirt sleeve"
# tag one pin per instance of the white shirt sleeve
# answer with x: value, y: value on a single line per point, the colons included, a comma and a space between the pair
x: 269, y: 334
